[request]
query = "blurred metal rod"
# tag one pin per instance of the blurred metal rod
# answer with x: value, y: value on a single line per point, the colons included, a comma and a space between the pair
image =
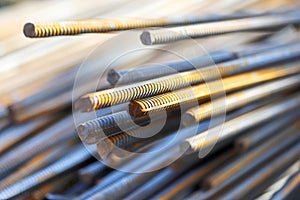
x: 239, y: 99
x: 247, y: 163
x: 151, y: 71
x: 105, y: 98
x: 164, y: 177
x: 162, y: 36
x: 262, y: 178
x: 13, y: 135
x: 61, y: 131
x: 91, y: 172
x: 187, y: 182
x: 139, y: 162
x: 290, y: 190
x: 207, y: 139
x: 189, y: 97
x: 36, y: 163
x: 74, y: 159
x: 105, y: 25
x: 272, y: 128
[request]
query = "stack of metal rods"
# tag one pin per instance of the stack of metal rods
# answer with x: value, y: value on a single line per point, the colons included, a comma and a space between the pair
x: 216, y: 124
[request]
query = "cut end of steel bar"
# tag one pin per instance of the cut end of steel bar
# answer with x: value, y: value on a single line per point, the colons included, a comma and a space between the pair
x: 84, y: 104
x: 113, y: 76
x: 136, y: 109
x: 29, y: 30
x: 146, y: 38
x: 83, y: 131
x: 189, y: 119
x: 186, y: 148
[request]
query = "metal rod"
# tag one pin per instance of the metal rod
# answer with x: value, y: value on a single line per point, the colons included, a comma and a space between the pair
x: 162, y: 36
x: 13, y: 135
x: 105, y: 98
x: 60, y: 132
x: 151, y: 71
x: 239, y: 99
x: 91, y: 172
x: 75, y: 158
x: 235, y: 126
x: 270, y: 129
x: 290, y: 189
x: 147, y: 72
x: 187, y: 182
x: 262, y: 178
x: 189, y: 97
x: 105, y: 25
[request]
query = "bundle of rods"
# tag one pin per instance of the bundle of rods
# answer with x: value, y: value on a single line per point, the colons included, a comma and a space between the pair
x: 223, y: 123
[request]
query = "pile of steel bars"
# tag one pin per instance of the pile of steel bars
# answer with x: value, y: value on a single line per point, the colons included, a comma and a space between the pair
x: 204, y: 106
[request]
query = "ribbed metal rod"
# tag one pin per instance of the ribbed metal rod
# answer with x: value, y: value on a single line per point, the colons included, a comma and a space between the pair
x: 55, y: 134
x: 138, y: 163
x: 18, y: 133
x: 189, y: 97
x: 36, y: 163
x: 239, y: 99
x: 147, y: 72
x: 162, y: 36
x: 35, y: 30
x: 151, y: 71
x: 75, y: 158
x: 130, y: 138
x: 105, y: 98
x: 235, y: 126
x: 93, y: 130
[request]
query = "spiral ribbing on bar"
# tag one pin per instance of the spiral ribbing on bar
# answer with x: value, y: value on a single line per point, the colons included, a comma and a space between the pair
x: 86, y: 26
x: 106, y: 98
x: 161, y: 36
x: 191, y: 95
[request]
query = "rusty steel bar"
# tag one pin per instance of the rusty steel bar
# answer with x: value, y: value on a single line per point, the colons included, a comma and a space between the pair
x: 243, y: 122
x: 162, y: 36
x: 105, y: 98
x: 189, y: 97
x: 239, y: 99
